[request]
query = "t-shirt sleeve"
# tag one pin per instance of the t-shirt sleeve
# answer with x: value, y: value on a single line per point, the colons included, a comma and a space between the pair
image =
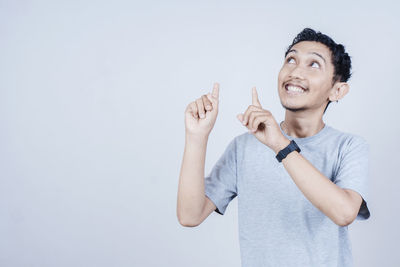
x: 353, y: 172
x: 220, y: 184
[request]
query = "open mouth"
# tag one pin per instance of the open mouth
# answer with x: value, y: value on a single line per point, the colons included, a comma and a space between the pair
x: 294, y: 89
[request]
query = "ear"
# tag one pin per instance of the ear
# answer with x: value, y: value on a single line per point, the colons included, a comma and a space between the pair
x: 339, y: 90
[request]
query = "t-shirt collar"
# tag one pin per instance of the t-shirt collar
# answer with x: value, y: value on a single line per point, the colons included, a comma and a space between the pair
x: 307, y: 139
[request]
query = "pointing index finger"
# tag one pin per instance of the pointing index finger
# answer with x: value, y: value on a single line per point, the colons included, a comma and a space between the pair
x: 215, y: 91
x: 256, y: 102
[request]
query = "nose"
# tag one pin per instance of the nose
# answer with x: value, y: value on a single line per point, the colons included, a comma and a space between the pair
x: 297, y: 73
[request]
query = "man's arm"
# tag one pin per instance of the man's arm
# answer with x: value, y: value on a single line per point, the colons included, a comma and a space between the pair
x: 193, y: 206
x: 200, y: 116
x: 340, y: 205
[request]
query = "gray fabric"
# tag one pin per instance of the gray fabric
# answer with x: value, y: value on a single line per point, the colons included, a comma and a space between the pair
x: 278, y: 225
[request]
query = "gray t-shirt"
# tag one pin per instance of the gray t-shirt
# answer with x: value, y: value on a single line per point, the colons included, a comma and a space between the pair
x: 278, y: 225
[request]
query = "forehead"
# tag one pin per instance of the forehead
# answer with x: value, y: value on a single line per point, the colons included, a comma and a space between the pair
x: 306, y: 47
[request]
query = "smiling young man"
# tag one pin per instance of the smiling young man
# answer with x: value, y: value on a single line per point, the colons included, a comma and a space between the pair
x: 299, y: 183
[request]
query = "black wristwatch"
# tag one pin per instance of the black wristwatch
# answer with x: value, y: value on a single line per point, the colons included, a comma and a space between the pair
x: 284, y: 152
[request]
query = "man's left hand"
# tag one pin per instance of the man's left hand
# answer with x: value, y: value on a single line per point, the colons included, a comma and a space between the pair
x: 263, y: 125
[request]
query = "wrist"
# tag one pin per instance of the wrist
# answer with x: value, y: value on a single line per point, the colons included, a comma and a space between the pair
x: 281, y: 145
x: 196, y: 138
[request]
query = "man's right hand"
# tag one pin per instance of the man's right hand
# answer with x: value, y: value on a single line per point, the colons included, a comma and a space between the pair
x: 201, y: 114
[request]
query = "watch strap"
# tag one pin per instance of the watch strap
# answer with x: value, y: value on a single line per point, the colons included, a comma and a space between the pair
x: 284, y: 152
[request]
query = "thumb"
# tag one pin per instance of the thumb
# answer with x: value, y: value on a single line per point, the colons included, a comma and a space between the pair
x: 240, y: 117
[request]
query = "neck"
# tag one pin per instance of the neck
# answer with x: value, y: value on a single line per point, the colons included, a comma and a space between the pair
x: 300, y: 125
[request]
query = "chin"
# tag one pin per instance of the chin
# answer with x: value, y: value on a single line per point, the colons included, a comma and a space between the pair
x: 293, y: 108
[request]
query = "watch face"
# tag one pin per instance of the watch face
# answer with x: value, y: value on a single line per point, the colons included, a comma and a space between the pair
x: 297, y: 148
x: 293, y: 146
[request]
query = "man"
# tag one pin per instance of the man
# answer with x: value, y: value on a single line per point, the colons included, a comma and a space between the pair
x: 299, y: 183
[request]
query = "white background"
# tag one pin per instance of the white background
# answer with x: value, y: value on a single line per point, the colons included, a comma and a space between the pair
x: 92, y: 100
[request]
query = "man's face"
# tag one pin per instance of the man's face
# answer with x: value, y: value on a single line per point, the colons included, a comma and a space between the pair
x: 305, y: 79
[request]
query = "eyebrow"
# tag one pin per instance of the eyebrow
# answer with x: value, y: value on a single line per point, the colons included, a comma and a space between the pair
x: 314, y: 53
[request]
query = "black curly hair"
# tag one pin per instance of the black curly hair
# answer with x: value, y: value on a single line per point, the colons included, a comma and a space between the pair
x: 340, y: 59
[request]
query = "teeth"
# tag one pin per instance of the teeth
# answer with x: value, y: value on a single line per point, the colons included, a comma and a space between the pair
x: 294, y: 88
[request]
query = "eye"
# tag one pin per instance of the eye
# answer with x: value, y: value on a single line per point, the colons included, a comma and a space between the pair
x: 290, y: 60
x: 315, y: 64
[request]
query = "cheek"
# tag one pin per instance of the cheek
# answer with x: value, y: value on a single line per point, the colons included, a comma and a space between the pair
x: 320, y: 87
x: 321, y: 76
x: 281, y: 75
x: 319, y: 81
